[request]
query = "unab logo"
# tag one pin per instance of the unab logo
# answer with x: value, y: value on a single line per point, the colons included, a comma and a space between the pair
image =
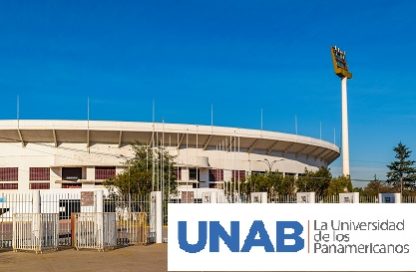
x: 210, y: 233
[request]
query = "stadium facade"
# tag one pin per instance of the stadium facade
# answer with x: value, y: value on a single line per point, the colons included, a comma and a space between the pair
x: 55, y: 154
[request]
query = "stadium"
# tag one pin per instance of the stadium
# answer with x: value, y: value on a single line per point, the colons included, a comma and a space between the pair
x: 66, y: 155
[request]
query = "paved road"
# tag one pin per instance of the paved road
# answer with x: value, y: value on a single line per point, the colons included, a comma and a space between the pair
x: 134, y: 258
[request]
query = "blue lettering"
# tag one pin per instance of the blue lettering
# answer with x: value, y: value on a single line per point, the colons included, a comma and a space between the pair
x: 232, y: 240
x: 202, y: 237
x: 264, y: 240
x: 281, y: 236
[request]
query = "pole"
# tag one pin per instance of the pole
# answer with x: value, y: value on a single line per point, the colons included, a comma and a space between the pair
x: 320, y: 130
x: 261, y: 118
x: 296, y: 124
x: 345, y: 144
x: 212, y: 115
x: 18, y: 112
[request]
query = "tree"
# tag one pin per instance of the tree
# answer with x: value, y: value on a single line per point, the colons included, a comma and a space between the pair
x: 271, y: 182
x: 375, y: 187
x: 317, y: 181
x: 338, y: 185
x: 150, y: 169
x: 257, y: 183
x: 402, y: 174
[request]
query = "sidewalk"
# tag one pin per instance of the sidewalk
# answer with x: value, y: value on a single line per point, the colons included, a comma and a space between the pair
x: 134, y: 258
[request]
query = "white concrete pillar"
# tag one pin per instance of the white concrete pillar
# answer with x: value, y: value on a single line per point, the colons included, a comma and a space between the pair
x: 305, y: 197
x: 214, y: 197
x: 389, y: 198
x: 99, y: 208
x: 345, y: 143
x: 36, y: 202
x: 99, y: 201
x: 228, y: 174
x: 184, y: 174
x: 258, y: 197
x: 90, y: 173
x: 36, y: 209
x: 55, y: 175
x: 156, y: 217
x: 349, y: 197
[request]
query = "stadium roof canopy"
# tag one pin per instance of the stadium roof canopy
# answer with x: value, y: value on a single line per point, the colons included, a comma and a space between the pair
x: 179, y: 135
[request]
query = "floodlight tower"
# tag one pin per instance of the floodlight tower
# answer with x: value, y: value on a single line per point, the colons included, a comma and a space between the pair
x: 341, y: 70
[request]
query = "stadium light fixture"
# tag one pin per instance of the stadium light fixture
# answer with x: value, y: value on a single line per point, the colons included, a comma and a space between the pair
x: 340, y: 63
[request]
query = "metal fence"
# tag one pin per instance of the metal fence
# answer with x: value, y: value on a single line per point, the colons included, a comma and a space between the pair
x: 9, y: 204
x: 94, y: 230
x: 35, y: 231
x: 64, y: 204
x: 131, y: 217
x: 101, y: 231
x: 132, y: 228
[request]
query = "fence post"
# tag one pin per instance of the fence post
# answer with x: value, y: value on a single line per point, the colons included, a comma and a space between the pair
x: 99, y: 204
x: 99, y: 209
x: 389, y: 198
x: 36, y: 202
x: 213, y: 197
x: 305, y: 197
x: 156, y: 216
x: 258, y: 197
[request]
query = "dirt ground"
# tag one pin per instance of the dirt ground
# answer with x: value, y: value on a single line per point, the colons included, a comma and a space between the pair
x: 134, y: 258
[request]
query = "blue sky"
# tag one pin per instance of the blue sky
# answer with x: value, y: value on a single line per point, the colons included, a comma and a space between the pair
x: 240, y: 56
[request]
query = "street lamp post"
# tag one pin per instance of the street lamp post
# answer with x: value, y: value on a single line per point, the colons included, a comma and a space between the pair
x: 269, y: 163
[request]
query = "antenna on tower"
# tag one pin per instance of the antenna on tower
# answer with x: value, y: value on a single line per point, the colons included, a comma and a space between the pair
x: 153, y: 110
x: 320, y: 130
x: 212, y: 115
x: 261, y: 118
x: 88, y: 111
x: 296, y: 124
x: 18, y: 112
x: 88, y: 124
x: 18, y: 108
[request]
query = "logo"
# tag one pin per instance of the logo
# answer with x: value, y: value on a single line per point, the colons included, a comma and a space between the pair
x: 290, y: 237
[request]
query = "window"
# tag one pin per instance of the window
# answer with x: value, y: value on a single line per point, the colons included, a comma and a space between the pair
x: 8, y: 186
x: 193, y: 174
x: 216, y: 185
x: 258, y: 173
x: 39, y: 186
x: 9, y: 174
x: 178, y: 173
x: 73, y: 173
x: 104, y: 172
x: 238, y: 175
x: 216, y: 174
x: 39, y: 173
x: 71, y: 186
